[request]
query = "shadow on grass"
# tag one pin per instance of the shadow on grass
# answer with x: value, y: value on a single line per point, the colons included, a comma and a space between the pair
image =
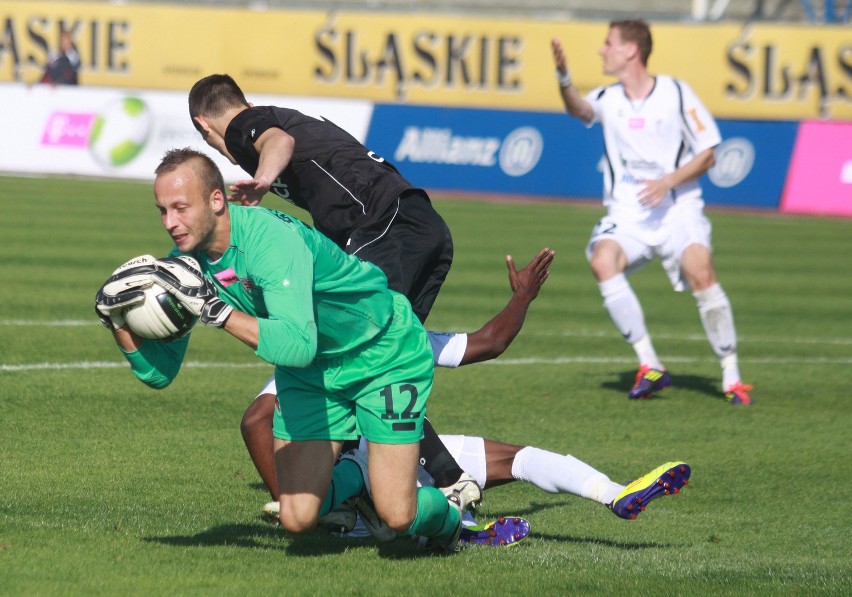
x: 272, y: 538
x: 538, y: 507
x: 255, y: 536
x: 695, y: 383
x: 606, y: 542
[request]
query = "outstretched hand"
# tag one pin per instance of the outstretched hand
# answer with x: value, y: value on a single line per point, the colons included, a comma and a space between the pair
x: 559, y: 56
x: 529, y: 279
x: 248, y: 192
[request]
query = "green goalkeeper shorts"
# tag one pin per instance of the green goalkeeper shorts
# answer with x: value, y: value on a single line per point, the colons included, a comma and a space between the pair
x: 377, y: 391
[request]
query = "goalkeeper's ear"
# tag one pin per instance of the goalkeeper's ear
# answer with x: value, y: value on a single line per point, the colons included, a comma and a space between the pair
x: 219, y: 201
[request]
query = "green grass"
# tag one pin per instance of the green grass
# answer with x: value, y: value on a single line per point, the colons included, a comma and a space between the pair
x: 107, y: 487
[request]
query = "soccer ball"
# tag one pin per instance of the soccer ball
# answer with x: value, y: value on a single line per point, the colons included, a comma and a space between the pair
x: 120, y: 132
x: 160, y: 316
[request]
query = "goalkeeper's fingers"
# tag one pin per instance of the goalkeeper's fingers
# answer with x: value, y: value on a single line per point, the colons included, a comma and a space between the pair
x: 183, y: 272
x: 135, y: 265
x: 190, y: 297
x: 110, y: 309
x: 117, y: 285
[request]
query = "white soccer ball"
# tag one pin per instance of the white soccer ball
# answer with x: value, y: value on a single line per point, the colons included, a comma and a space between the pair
x: 160, y: 316
x: 120, y: 132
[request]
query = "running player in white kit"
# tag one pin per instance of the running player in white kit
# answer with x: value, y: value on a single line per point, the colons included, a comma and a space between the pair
x: 659, y: 140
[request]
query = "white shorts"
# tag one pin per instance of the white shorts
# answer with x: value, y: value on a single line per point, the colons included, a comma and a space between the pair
x: 667, y: 237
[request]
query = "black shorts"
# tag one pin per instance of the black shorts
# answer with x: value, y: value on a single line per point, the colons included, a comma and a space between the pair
x: 413, y: 246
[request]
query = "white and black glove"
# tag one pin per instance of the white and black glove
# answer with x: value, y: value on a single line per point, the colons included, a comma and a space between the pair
x: 182, y: 277
x: 123, y: 289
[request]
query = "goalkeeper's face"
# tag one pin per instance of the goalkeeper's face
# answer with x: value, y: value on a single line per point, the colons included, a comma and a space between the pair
x: 188, y: 214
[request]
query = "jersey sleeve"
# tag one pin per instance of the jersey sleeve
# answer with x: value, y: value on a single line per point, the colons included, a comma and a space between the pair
x: 594, y: 97
x: 699, y: 127
x: 252, y: 123
x: 448, y: 348
x: 281, y: 263
x: 156, y: 364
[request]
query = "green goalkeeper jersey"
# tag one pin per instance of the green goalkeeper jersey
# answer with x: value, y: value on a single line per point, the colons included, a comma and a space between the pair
x: 312, y: 300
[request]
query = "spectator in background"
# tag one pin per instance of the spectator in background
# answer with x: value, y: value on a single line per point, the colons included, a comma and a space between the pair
x: 63, y: 65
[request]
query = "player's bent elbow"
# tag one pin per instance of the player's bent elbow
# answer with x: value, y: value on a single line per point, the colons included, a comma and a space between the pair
x: 484, y: 346
x: 299, y: 352
x: 156, y: 382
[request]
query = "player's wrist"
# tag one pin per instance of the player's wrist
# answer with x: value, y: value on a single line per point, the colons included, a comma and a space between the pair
x: 564, y: 78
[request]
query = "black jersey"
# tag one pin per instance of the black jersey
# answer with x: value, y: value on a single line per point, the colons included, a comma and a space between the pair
x: 340, y: 182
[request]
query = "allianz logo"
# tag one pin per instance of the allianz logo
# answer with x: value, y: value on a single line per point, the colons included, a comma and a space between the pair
x: 516, y: 154
x: 734, y: 161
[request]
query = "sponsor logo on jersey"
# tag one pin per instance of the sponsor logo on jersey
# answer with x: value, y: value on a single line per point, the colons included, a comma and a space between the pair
x: 226, y: 277
x: 699, y: 125
x: 229, y: 276
x: 280, y: 188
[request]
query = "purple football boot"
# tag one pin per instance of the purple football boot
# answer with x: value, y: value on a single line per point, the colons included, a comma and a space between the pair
x: 648, y: 382
x: 667, y: 479
x: 505, y: 531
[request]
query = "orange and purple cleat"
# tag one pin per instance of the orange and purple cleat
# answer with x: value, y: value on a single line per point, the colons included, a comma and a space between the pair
x: 738, y: 394
x: 667, y: 479
x: 648, y: 382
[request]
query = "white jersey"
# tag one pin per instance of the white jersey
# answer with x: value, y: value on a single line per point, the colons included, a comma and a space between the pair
x: 649, y: 138
x: 447, y: 350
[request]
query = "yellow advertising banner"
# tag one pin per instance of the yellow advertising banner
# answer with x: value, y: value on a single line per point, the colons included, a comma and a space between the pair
x: 758, y: 72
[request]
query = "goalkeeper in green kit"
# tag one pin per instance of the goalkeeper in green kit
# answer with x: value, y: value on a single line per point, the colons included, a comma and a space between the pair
x: 351, y: 358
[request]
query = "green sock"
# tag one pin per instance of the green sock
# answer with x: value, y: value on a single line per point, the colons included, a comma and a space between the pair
x: 435, y: 518
x: 346, y: 482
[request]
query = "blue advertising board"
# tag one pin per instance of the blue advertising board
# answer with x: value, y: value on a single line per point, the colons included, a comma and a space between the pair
x: 751, y: 163
x: 552, y: 155
x: 489, y: 151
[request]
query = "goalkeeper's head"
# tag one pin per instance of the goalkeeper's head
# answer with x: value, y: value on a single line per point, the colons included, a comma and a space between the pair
x: 190, y: 194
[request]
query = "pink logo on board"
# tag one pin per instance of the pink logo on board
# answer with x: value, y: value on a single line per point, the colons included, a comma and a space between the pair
x: 67, y: 129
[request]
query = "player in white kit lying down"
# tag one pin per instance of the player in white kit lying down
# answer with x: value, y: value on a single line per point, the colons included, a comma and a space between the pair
x: 491, y: 463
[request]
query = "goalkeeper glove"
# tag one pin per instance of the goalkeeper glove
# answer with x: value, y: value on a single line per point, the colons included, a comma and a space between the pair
x: 123, y: 289
x: 182, y: 277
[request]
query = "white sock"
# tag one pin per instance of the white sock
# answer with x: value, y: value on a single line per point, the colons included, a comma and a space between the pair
x: 730, y: 371
x: 716, y: 314
x: 623, y: 307
x: 555, y: 473
x: 646, y: 354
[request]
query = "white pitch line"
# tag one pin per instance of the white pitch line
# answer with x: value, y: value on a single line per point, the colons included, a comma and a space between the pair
x: 566, y: 334
x: 58, y: 323
x: 121, y: 365
x: 669, y: 359
x: 88, y: 365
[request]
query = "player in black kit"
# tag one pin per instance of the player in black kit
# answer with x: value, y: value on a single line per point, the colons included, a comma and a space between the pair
x: 355, y: 197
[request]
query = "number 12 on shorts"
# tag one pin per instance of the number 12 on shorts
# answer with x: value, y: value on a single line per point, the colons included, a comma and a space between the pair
x: 407, y: 413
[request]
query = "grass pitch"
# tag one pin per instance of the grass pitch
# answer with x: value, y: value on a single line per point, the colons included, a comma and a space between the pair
x: 108, y: 487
